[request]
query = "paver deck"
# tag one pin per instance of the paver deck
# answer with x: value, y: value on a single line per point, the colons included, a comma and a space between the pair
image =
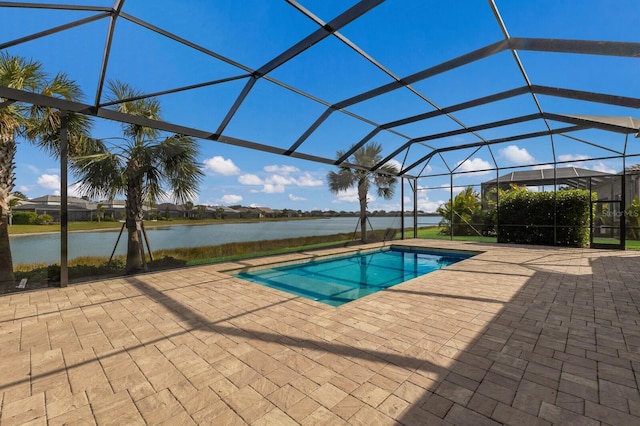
x: 515, y: 335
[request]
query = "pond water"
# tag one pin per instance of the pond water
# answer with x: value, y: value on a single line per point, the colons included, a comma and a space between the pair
x: 45, y: 248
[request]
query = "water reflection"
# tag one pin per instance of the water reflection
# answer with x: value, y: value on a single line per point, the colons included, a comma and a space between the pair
x: 45, y: 248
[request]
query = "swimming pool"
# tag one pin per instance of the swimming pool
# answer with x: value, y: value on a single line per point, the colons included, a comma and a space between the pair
x: 339, y: 280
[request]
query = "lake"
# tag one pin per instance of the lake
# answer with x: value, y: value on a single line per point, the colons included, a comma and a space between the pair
x: 45, y: 248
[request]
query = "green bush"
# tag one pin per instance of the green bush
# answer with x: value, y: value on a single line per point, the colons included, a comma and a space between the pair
x: 632, y: 215
x: 530, y: 217
x: 53, y: 273
x: 83, y: 270
x: 24, y: 218
x: 465, y: 215
x: 167, y: 262
x: 44, y: 219
x: 104, y: 218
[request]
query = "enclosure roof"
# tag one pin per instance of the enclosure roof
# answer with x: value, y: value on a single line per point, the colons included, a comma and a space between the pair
x: 546, y: 176
x: 439, y: 86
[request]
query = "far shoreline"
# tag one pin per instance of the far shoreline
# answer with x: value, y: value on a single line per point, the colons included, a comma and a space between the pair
x: 116, y: 226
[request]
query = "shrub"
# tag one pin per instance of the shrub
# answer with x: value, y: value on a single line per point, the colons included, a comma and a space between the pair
x: 24, y: 218
x: 166, y: 262
x: 632, y: 215
x: 44, y: 219
x: 465, y: 215
x: 83, y: 268
x: 53, y: 273
x: 530, y: 217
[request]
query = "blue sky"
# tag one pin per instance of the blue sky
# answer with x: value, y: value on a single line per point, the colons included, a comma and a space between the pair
x: 405, y: 36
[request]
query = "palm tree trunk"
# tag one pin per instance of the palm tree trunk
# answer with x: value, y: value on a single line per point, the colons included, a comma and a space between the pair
x: 7, y: 166
x: 362, y: 197
x: 134, y: 218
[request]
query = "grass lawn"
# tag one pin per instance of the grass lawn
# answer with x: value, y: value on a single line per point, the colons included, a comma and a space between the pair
x: 433, y: 233
x: 632, y: 244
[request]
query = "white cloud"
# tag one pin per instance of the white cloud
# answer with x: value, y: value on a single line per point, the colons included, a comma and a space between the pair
x: 471, y: 165
x: 49, y: 181
x: 429, y: 206
x: 307, y: 180
x: 52, y: 182
x: 221, y: 166
x: 231, y: 199
x: 350, y: 196
x: 577, y: 160
x: 602, y: 167
x: 272, y: 189
x: 276, y: 183
x: 572, y: 157
x: 424, y: 203
x: 296, y: 198
x: 281, y: 169
x: 516, y: 155
x: 33, y: 169
x: 394, y: 163
x: 24, y: 188
x: 456, y: 189
x: 250, y: 179
x: 280, y: 180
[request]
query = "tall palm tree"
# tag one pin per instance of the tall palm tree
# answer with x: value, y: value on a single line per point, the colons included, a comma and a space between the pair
x: 384, y: 180
x: 36, y: 124
x: 140, y: 168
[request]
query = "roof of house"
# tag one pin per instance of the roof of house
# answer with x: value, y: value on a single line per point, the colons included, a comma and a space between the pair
x: 54, y: 200
x: 633, y: 169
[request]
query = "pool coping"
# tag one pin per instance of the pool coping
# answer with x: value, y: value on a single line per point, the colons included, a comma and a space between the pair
x: 331, y: 253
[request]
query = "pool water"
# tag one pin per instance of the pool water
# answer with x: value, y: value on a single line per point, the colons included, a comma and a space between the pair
x: 340, y: 280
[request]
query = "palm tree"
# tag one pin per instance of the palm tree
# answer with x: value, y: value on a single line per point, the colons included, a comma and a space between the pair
x: 100, y: 211
x: 384, y: 180
x: 462, y: 214
x: 38, y: 125
x: 14, y: 201
x: 140, y: 168
x: 188, y: 207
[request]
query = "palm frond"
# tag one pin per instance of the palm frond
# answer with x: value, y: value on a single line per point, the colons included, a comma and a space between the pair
x: 101, y: 175
x: 10, y: 121
x: 44, y: 131
x: 342, y: 180
x: 368, y: 155
x: 20, y: 73
x: 61, y: 86
x: 178, y: 156
x: 135, y: 105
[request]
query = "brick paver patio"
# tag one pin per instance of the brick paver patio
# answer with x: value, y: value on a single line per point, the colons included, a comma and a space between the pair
x: 515, y: 335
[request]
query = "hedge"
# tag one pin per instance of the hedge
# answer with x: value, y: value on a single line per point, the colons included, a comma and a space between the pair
x: 528, y: 217
x: 24, y: 218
